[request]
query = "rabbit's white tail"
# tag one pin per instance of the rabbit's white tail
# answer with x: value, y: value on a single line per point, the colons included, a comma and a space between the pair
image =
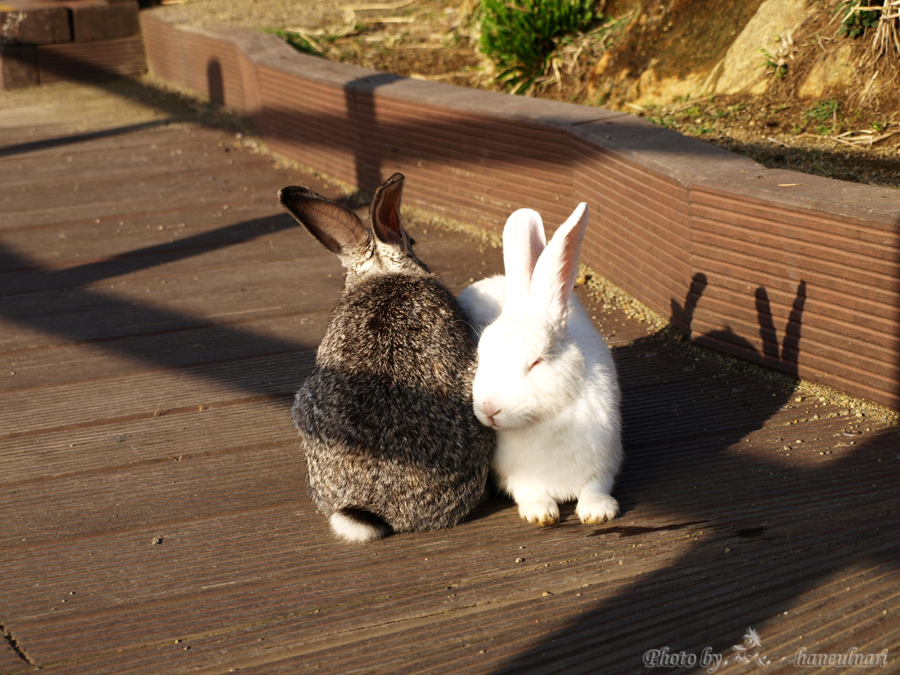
x: 358, y: 525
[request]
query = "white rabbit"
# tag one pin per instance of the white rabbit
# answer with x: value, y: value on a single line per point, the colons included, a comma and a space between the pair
x: 546, y: 381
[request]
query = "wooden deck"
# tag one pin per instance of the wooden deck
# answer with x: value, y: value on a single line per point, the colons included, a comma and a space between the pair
x: 157, y: 312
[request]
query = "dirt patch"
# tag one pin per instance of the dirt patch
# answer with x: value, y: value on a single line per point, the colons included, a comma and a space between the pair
x: 424, y: 61
x: 788, y: 133
x: 849, y: 130
x: 677, y: 38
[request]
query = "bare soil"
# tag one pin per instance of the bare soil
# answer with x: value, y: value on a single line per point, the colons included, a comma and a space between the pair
x: 843, y: 134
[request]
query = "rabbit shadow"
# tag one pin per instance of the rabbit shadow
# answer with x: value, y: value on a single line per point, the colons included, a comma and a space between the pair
x: 692, y: 397
x: 639, y: 394
x: 764, y: 527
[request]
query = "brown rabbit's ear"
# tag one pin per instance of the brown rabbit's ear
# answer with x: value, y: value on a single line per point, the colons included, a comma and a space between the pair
x: 337, y: 228
x: 385, y: 212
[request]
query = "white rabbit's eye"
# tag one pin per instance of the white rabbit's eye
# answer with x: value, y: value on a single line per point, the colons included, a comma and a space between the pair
x: 536, y: 363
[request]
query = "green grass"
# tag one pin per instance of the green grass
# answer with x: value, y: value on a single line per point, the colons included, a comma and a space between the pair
x: 856, y: 22
x: 298, y: 42
x: 825, y: 117
x: 309, y: 45
x: 519, y: 35
x: 693, y: 111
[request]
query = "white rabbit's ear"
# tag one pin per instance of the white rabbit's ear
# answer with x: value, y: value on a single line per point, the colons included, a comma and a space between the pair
x: 523, y: 242
x: 554, y: 274
x: 333, y: 225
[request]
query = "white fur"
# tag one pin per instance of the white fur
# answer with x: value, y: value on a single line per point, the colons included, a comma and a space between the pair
x: 557, y: 422
x: 353, y: 530
x: 482, y: 302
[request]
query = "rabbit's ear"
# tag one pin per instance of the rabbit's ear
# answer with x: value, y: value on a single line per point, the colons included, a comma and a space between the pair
x: 335, y: 227
x: 523, y: 242
x: 555, y: 271
x: 385, y: 212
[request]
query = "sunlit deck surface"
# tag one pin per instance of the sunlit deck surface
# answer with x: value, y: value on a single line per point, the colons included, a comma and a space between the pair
x: 157, y: 313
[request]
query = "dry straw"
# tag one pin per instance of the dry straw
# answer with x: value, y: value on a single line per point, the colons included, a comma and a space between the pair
x: 887, y: 35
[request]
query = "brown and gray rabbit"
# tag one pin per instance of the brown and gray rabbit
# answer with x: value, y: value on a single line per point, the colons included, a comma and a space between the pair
x: 386, y: 417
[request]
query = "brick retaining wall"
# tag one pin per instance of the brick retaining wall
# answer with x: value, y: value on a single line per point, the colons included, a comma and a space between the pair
x: 795, y: 272
x: 47, y: 41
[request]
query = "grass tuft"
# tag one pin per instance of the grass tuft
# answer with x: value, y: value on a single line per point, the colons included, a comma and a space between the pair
x: 519, y: 35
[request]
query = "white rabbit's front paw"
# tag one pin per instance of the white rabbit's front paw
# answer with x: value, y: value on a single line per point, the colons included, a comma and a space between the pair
x: 540, y: 512
x: 596, y: 509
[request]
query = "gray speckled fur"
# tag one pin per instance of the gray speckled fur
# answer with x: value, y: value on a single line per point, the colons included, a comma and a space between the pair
x: 386, y: 416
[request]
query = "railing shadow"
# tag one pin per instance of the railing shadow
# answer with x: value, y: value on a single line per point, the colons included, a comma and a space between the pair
x: 80, y: 314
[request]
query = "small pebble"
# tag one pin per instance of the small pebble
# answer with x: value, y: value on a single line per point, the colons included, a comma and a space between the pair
x: 518, y: 560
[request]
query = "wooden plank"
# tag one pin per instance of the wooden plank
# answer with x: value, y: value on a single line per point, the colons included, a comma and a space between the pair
x: 143, y: 166
x: 325, y: 576
x: 152, y: 394
x: 76, y: 264
x: 179, y: 301
x: 52, y: 134
x: 60, y: 244
x: 72, y: 201
x: 197, y: 484
x: 501, y: 584
x: 10, y: 661
x: 198, y: 239
x: 124, y: 444
x: 37, y: 369
x: 156, y: 147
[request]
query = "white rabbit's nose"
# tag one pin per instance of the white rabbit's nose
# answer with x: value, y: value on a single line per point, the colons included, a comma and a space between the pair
x: 490, y: 410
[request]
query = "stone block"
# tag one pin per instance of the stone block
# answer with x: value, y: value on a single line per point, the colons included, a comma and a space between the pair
x: 93, y: 21
x: 34, y: 25
x: 18, y: 66
x: 86, y: 61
